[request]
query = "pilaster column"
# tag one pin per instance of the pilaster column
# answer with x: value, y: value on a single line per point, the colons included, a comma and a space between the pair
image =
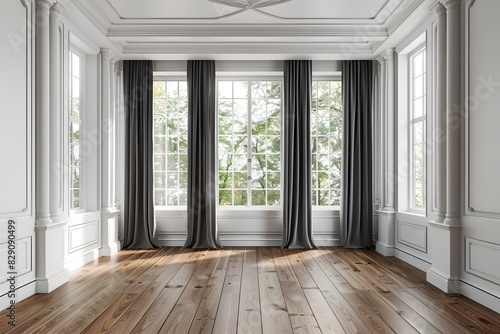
x: 106, y: 132
x: 445, y: 236
x: 382, y: 116
x: 441, y: 113
x: 109, y: 213
x: 386, y: 215
x: 42, y: 113
x: 50, y: 234
x: 390, y: 132
x: 112, y: 133
x: 55, y: 137
x: 454, y: 113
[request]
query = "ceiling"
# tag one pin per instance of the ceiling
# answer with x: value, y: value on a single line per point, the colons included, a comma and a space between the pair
x: 184, y: 29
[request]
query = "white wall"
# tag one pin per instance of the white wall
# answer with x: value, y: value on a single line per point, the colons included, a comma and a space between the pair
x: 247, y: 227
x: 481, y: 219
x: 16, y: 147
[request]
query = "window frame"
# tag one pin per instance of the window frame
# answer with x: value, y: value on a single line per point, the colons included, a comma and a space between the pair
x: 81, y: 122
x: 245, y: 76
x: 164, y: 77
x: 248, y: 79
x: 421, y: 48
x: 338, y: 78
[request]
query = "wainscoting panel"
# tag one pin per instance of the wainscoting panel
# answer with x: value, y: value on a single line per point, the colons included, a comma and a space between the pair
x: 412, y: 235
x: 244, y: 227
x: 482, y: 259
x: 82, y: 236
x: 23, y: 258
x: 16, y: 111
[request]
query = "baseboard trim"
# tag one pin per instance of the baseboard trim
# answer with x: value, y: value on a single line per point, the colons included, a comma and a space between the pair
x: 481, y: 296
x: 412, y: 259
x: 442, y: 282
x: 384, y: 249
x: 22, y: 292
x: 82, y: 260
x: 110, y: 250
x: 48, y: 284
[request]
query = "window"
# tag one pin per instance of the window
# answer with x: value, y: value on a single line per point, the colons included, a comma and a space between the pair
x: 75, y: 128
x: 249, y: 142
x: 170, y: 142
x: 249, y: 154
x: 326, y: 142
x: 417, y: 129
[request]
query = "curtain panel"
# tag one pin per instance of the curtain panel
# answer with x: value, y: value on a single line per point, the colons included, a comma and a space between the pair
x: 297, y: 191
x: 357, y: 206
x: 202, y: 170
x: 139, y: 196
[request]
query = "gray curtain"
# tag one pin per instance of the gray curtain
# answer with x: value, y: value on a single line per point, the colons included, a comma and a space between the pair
x: 202, y: 204
x: 356, y: 214
x: 297, y: 193
x: 139, y: 200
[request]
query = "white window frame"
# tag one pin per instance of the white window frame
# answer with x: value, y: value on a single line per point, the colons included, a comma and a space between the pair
x: 422, y: 48
x: 81, y: 122
x: 164, y: 77
x: 329, y: 78
x: 249, y: 78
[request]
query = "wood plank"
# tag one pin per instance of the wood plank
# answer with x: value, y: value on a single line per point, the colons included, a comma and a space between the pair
x: 326, y: 319
x: 154, y: 317
x: 351, y: 321
x: 252, y: 290
x: 63, y: 296
x: 275, y: 318
x: 180, y: 319
x: 72, y: 300
x: 300, y: 271
x: 434, y: 298
x: 249, y: 319
x: 226, y: 320
x: 107, y: 318
x: 423, y: 319
x: 136, y: 311
x: 207, y: 310
x: 79, y: 315
x: 391, y: 316
x: 304, y: 324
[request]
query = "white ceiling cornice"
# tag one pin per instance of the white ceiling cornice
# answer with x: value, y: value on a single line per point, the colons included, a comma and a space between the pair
x: 249, y: 32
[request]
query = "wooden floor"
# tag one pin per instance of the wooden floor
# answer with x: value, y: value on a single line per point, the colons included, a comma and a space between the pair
x: 249, y: 290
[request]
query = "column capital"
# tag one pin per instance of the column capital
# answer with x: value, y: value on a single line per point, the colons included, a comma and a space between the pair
x: 381, y: 59
x: 106, y: 54
x: 451, y: 3
x: 438, y: 8
x: 45, y: 3
x: 389, y: 54
x: 55, y: 9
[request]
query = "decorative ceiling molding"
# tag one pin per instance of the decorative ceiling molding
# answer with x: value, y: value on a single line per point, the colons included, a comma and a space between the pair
x: 257, y: 32
x: 249, y: 4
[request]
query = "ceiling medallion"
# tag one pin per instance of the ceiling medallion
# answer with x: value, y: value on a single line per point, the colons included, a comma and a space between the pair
x: 249, y: 4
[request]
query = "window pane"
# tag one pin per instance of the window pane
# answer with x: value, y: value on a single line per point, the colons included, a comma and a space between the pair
x: 264, y: 121
x: 170, y: 142
x: 326, y: 142
x: 417, y: 129
x: 75, y: 199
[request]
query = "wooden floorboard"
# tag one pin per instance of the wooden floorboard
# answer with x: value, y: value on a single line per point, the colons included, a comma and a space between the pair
x: 249, y: 290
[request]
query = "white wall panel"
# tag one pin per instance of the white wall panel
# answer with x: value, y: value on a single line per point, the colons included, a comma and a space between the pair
x: 244, y: 227
x: 412, y: 235
x: 484, y: 107
x: 83, y: 235
x: 15, y: 110
x: 482, y: 259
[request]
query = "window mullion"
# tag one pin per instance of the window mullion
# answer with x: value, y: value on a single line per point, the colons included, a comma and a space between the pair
x: 249, y: 143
